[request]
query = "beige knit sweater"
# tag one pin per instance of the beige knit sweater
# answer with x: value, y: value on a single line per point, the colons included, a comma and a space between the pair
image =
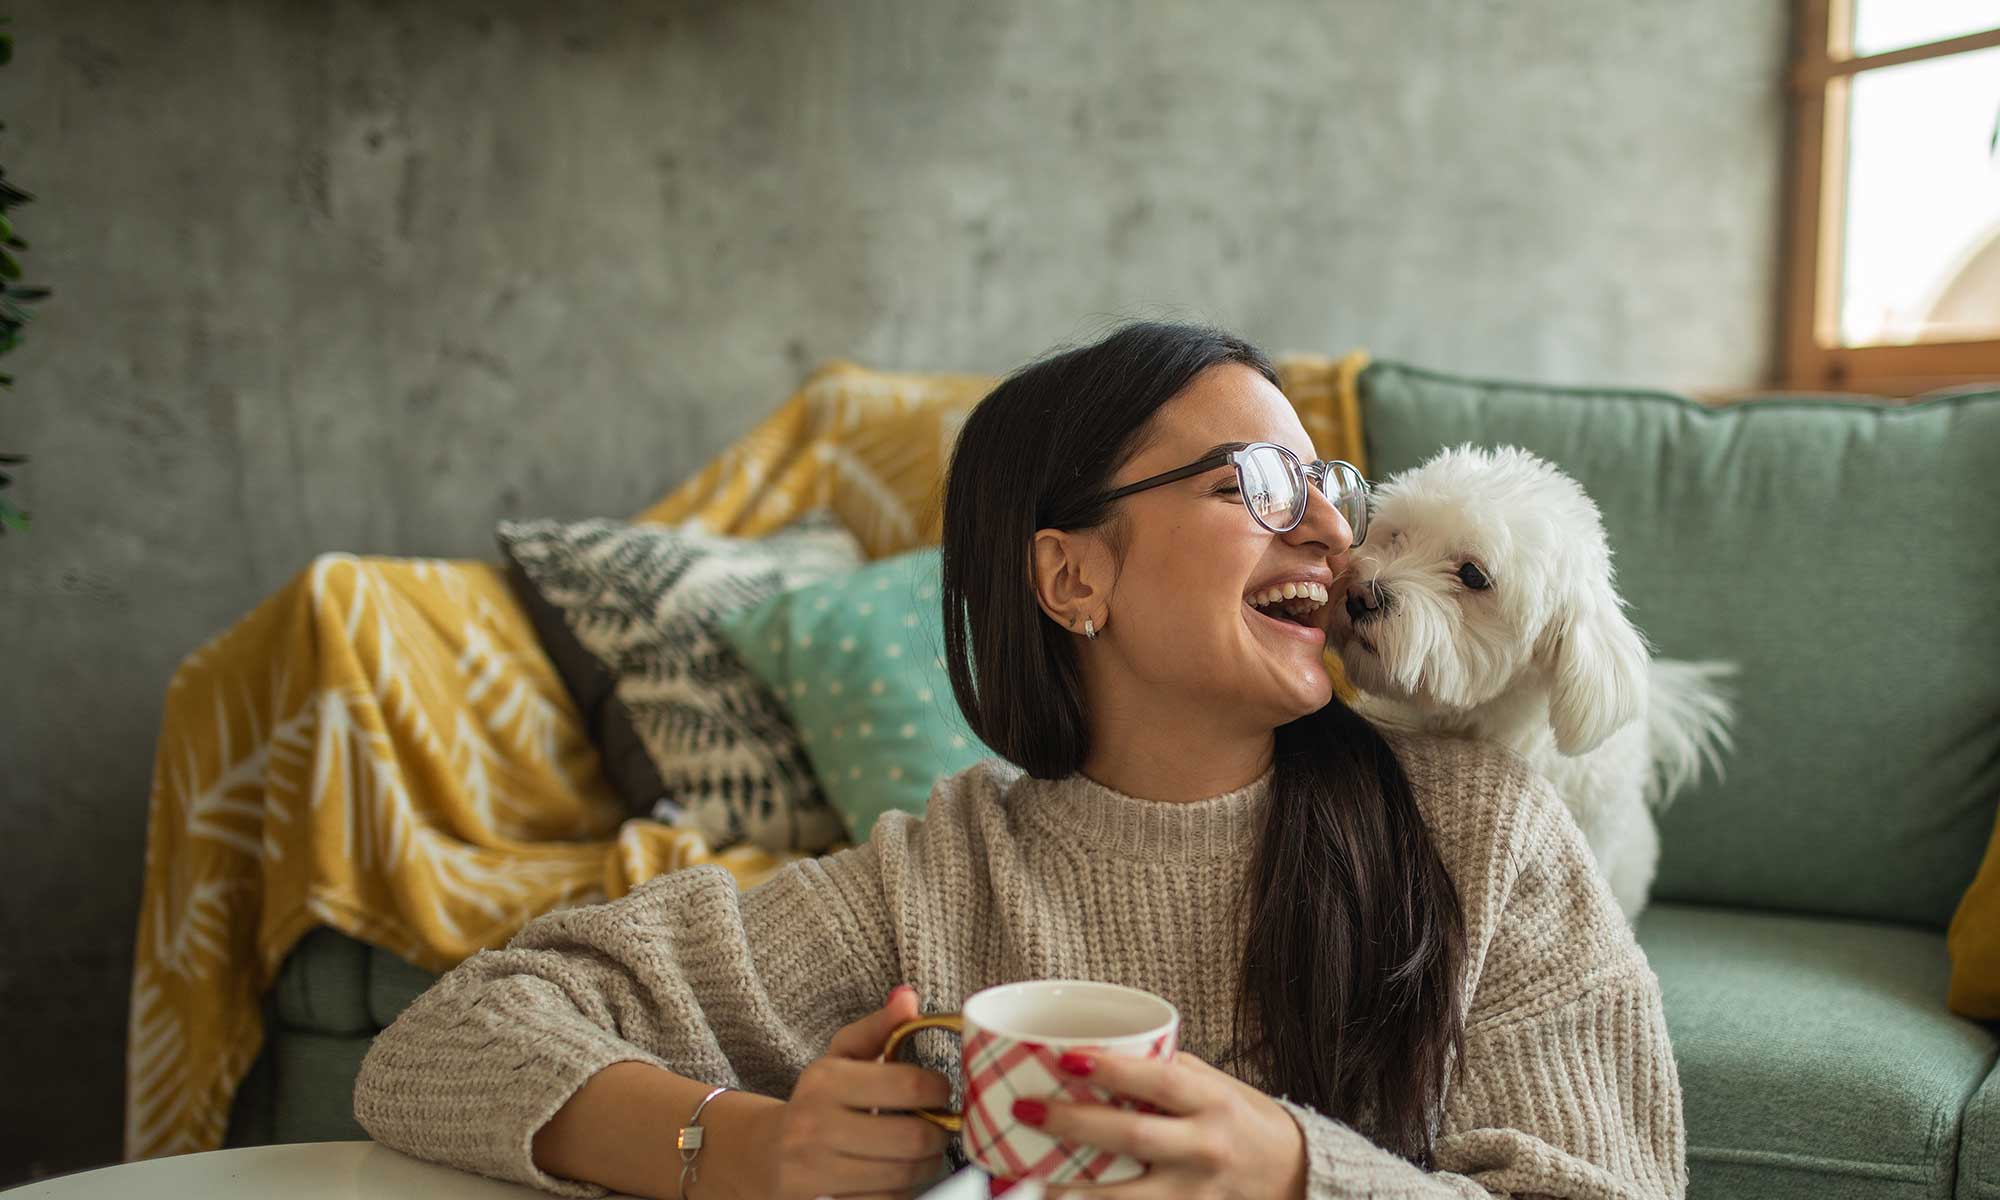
x: 1570, y: 1087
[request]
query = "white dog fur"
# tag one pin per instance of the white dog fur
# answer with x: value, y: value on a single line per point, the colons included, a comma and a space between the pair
x: 1541, y: 660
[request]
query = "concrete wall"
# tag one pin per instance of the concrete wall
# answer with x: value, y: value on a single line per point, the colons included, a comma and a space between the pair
x: 368, y: 276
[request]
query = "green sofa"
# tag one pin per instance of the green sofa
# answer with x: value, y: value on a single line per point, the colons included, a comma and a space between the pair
x: 1847, y: 557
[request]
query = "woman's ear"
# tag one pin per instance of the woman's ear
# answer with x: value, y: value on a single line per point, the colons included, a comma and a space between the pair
x: 1070, y: 580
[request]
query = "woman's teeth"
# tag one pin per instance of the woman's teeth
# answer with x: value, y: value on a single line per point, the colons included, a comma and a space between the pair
x: 1294, y: 598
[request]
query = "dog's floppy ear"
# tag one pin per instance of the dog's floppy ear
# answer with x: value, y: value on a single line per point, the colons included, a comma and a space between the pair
x: 1597, y: 663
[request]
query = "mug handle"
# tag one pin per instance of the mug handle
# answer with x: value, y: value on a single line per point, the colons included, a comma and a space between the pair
x: 948, y: 1121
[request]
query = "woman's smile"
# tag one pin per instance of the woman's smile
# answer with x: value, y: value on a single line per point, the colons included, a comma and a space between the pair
x: 1288, y: 606
x: 1283, y: 627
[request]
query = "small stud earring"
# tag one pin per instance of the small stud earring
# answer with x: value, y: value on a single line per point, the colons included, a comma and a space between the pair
x: 1089, y: 629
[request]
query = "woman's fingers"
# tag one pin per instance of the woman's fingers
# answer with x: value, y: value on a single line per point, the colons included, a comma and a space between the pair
x: 891, y: 1138
x: 1150, y: 1139
x: 1151, y: 1186
x: 854, y: 1084
x: 844, y: 1175
x: 865, y: 1038
x: 1177, y: 1087
x: 1200, y: 1065
x: 834, y: 1140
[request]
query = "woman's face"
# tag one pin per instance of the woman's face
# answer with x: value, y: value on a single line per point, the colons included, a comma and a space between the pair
x: 1183, y: 628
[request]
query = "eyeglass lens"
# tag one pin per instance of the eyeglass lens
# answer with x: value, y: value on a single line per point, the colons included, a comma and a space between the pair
x: 1274, y: 489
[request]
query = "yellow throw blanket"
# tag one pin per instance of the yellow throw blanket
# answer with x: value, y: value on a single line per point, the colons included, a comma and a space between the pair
x: 382, y: 747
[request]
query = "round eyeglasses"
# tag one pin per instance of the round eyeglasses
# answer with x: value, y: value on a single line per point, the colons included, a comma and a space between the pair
x: 1272, y: 482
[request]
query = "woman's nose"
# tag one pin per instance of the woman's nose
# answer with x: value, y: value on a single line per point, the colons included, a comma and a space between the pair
x: 1323, y: 523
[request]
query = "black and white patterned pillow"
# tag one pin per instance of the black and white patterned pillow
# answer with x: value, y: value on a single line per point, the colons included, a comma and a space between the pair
x: 628, y: 613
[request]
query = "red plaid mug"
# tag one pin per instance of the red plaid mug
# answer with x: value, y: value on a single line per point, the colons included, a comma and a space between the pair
x: 1013, y: 1034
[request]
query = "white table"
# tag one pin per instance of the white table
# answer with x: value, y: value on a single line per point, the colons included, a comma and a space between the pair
x: 330, y: 1171
x: 303, y: 1171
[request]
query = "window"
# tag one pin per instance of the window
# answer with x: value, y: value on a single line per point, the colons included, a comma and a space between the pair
x: 1893, y: 280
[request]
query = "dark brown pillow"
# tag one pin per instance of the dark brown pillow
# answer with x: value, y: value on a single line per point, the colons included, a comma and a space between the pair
x: 628, y: 613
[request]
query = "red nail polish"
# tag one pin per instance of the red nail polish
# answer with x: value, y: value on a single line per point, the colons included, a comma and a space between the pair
x: 1030, y: 1112
x: 1075, y: 1063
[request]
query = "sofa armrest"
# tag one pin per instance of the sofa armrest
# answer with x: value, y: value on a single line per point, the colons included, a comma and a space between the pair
x: 333, y: 995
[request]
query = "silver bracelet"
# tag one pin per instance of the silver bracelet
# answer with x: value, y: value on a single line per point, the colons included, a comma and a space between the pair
x: 689, y: 1142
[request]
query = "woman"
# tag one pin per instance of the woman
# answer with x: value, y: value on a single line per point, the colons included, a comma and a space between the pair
x: 1397, y: 952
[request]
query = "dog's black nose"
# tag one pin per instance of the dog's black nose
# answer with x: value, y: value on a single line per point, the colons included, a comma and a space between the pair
x: 1365, y: 600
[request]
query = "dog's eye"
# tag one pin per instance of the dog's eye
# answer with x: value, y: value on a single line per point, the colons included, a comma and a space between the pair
x: 1471, y: 576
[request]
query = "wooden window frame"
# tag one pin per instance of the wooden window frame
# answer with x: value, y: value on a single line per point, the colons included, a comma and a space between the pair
x: 1813, y: 357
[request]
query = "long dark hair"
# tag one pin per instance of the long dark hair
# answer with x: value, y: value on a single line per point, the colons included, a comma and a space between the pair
x: 1349, y: 995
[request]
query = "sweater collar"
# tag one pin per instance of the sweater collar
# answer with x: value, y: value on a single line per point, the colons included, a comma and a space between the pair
x: 1103, y: 820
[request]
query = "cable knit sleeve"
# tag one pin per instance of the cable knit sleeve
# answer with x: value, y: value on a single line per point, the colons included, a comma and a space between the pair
x: 686, y: 973
x: 1569, y: 1086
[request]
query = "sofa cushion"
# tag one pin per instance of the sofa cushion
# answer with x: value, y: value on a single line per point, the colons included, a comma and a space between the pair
x: 1847, y: 557
x: 1979, y: 1144
x: 859, y: 663
x: 1815, y: 1055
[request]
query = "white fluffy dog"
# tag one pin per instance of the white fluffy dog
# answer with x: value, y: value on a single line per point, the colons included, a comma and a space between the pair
x: 1481, y: 605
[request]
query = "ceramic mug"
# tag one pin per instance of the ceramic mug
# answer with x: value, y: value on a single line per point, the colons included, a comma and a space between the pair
x: 1012, y: 1036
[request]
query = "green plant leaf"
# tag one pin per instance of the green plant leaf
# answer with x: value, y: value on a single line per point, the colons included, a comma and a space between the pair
x: 12, y: 298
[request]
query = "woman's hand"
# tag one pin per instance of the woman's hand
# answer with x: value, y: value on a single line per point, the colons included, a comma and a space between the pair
x: 824, y: 1141
x: 1213, y: 1136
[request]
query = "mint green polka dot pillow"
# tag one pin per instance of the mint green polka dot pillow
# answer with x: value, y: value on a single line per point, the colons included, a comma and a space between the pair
x: 859, y: 662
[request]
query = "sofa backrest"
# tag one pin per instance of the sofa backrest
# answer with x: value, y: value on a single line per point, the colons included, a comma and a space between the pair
x: 1847, y: 557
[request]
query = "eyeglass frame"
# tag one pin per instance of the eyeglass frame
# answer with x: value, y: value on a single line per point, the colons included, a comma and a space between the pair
x: 1313, y: 474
